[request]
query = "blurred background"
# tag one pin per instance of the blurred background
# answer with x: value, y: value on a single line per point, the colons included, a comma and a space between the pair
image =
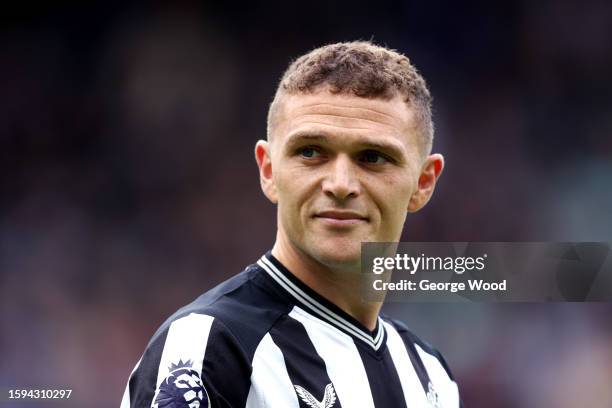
x: 128, y: 184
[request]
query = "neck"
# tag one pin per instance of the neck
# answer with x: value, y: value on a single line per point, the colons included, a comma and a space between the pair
x: 340, y: 287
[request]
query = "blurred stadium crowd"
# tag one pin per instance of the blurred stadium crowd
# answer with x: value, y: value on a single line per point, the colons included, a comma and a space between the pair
x: 128, y: 184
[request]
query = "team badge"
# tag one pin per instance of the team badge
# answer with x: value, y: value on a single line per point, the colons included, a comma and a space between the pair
x: 432, y: 396
x: 182, y: 388
x: 329, y: 397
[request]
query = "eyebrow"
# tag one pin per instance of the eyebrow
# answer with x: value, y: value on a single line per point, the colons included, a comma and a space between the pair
x: 394, y: 149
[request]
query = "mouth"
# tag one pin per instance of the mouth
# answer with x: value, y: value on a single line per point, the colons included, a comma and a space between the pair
x: 338, y: 218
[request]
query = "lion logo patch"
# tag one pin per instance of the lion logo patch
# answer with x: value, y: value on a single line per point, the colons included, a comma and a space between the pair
x: 182, y: 388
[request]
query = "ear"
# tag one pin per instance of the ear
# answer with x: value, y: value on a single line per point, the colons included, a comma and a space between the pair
x: 430, y: 172
x: 264, y: 162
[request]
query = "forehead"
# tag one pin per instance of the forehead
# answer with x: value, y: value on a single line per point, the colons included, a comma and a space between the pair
x: 339, y: 113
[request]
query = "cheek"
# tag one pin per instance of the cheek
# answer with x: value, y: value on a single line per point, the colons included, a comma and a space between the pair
x: 393, y: 195
x: 289, y: 193
x: 291, y: 205
x: 295, y: 187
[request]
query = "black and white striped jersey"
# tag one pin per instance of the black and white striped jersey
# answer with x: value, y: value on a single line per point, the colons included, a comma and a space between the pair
x: 265, y: 339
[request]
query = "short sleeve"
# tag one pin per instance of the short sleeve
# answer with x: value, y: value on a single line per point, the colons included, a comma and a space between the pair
x: 194, y: 362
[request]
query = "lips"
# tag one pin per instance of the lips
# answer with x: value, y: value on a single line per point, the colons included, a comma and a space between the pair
x: 340, y: 215
x: 335, y: 218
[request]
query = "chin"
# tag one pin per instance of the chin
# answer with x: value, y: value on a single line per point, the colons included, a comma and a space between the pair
x: 339, y: 255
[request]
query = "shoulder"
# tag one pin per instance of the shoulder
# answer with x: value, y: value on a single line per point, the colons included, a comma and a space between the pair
x: 242, y: 309
x: 211, y: 340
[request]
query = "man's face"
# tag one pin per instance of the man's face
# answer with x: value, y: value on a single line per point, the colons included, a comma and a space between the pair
x: 343, y: 170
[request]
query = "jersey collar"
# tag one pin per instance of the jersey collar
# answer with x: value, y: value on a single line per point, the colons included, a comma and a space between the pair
x: 319, y: 306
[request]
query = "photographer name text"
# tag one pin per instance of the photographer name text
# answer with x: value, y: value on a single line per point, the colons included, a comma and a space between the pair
x: 428, y: 286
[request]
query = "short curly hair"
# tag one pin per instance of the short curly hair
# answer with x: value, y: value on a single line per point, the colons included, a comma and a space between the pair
x: 363, y: 69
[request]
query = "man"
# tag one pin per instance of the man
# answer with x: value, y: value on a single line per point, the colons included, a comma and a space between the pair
x: 347, y: 156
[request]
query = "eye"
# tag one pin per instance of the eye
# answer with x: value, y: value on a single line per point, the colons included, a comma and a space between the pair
x: 373, y: 157
x: 308, y: 152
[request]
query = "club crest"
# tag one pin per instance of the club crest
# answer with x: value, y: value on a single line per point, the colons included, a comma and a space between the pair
x: 182, y: 388
x: 329, y: 397
x: 432, y: 396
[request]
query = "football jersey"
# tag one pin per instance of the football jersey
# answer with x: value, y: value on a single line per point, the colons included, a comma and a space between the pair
x: 265, y: 339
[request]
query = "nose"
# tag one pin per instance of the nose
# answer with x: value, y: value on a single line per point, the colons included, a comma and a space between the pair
x: 341, y: 181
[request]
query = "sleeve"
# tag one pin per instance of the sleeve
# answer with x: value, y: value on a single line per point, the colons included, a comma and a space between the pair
x: 194, y: 362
